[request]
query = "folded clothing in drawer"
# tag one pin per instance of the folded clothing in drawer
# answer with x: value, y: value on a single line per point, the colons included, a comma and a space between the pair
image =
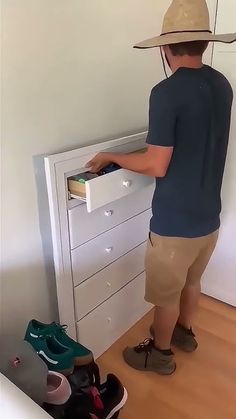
x: 109, y: 169
x: 76, y: 184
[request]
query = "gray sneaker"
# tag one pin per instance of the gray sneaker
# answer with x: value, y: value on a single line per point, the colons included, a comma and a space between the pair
x: 182, y: 338
x: 145, y: 357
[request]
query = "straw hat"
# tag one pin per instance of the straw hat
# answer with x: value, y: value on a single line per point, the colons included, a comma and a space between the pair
x: 185, y: 21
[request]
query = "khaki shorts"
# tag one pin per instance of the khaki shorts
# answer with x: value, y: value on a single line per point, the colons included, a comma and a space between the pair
x: 173, y: 262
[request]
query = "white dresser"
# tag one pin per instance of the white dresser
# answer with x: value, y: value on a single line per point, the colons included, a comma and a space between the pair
x: 99, y: 245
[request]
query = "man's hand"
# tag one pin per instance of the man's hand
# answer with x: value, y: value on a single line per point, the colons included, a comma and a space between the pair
x: 98, y: 163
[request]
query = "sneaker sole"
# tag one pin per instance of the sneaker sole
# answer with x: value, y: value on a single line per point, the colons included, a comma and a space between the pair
x: 119, y: 406
x: 159, y: 372
x: 82, y: 361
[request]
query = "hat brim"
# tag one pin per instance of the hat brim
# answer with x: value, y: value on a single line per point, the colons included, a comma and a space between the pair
x: 175, y: 38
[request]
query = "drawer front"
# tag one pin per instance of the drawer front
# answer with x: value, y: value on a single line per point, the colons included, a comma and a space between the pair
x: 93, y: 256
x: 104, y: 284
x: 101, y: 328
x: 113, y: 186
x: 85, y: 226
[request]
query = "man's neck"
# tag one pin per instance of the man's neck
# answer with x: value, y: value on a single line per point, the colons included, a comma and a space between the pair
x: 187, y: 62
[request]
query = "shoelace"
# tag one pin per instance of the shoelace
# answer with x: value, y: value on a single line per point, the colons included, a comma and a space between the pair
x: 146, y: 346
x: 61, y: 327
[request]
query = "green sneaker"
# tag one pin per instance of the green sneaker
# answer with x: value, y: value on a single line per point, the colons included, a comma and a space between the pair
x: 145, y: 357
x: 82, y: 355
x: 182, y: 338
x: 57, y: 357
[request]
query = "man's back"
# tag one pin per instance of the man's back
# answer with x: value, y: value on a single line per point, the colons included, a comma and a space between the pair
x: 195, y: 120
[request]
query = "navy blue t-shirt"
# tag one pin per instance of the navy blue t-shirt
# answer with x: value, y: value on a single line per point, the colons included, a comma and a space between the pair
x: 191, y: 112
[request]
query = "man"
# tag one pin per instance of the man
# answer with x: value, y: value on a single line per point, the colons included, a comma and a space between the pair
x: 187, y: 141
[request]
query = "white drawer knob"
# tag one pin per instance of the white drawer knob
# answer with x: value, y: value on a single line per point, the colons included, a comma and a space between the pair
x: 109, y: 319
x: 127, y: 183
x: 109, y: 249
x: 108, y: 213
x: 109, y: 284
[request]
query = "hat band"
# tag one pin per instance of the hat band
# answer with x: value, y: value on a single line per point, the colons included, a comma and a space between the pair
x: 187, y: 31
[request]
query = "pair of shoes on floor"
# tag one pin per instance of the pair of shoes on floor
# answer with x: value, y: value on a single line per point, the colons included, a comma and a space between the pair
x: 56, y: 348
x: 146, y: 357
x: 84, y: 401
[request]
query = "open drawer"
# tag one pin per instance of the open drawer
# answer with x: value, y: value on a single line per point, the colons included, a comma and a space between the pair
x: 107, y: 188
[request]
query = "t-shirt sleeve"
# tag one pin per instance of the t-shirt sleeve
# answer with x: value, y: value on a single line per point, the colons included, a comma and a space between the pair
x: 162, y: 119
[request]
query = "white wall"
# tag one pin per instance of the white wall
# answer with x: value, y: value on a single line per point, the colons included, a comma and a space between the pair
x: 70, y: 77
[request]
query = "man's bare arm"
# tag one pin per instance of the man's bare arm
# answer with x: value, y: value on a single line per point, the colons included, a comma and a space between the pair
x: 153, y: 162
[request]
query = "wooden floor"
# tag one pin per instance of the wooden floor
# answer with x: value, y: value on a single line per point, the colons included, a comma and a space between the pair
x: 204, y: 385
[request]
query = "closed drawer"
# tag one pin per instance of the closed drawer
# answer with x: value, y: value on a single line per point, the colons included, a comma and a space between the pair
x: 101, y: 328
x: 83, y: 226
x: 107, y: 282
x: 112, y: 186
x: 93, y: 256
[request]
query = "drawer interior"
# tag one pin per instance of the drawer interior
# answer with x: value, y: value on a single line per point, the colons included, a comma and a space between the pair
x: 109, y: 184
x: 77, y: 185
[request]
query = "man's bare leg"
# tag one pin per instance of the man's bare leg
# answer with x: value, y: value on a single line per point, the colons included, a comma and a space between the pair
x: 188, y: 304
x: 165, y: 320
